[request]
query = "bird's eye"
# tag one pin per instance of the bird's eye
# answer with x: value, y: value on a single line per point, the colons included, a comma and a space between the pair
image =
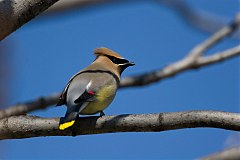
x: 114, y: 60
x: 117, y: 60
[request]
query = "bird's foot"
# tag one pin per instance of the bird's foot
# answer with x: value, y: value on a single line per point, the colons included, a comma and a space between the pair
x: 102, y: 114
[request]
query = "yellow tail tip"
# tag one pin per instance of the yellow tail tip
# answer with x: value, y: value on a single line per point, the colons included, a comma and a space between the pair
x: 66, y: 125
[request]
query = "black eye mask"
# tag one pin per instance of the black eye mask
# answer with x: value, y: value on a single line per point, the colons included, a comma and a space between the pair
x: 118, y: 60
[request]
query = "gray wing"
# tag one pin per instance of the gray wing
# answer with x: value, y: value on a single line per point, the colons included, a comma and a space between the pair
x: 63, y: 97
x: 77, y: 91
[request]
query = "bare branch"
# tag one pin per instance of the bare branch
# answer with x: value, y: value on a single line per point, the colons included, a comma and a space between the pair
x: 31, y: 126
x: 40, y: 103
x: 218, y: 57
x: 229, y: 154
x: 216, y: 37
x: 178, y: 67
x: 14, y: 14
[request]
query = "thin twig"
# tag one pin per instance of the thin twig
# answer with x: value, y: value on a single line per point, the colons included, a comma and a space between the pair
x: 31, y: 126
x: 218, y: 57
x: 178, y: 67
x: 216, y: 37
x: 40, y: 103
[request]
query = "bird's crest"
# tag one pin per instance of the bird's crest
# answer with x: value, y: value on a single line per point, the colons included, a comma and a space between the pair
x: 107, y: 52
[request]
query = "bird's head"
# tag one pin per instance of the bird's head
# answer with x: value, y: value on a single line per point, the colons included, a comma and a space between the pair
x: 112, y: 60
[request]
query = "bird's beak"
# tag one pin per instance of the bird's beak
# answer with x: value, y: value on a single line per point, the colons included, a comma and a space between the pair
x: 125, y: 65
x: 130, y: 64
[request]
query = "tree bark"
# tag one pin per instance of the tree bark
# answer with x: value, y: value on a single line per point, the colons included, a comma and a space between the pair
x: 31, y: 126
x: 15, y: 13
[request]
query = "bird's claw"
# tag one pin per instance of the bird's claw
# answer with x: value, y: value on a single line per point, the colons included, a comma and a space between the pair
x: 102, y: 114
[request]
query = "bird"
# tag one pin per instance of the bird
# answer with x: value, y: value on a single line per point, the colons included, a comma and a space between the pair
x: 92, y: 89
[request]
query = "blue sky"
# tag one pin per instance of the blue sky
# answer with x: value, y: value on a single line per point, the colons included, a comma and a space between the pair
x: 46, y: 52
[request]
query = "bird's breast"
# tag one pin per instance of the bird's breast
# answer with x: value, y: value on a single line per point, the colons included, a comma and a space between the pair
x: 105, y: 93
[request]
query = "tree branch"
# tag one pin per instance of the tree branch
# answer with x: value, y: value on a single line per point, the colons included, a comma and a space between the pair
x: 31, y: 126
x: 178, y: 67
x: 218, y: 57
x: 216, y: 37
x: 14, y: 14
x: 20, y: 109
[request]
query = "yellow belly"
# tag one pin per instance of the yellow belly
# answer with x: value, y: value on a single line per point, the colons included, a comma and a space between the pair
x: 103, y: 98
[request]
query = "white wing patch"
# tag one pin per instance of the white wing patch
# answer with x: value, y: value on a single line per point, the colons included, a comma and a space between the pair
x: 88, y: 85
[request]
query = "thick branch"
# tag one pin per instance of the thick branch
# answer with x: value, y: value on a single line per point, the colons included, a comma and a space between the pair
x: 31, y: 126
x: 15, y: 13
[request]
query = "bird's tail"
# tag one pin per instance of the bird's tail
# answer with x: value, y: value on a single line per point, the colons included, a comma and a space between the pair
x: 68, y: 120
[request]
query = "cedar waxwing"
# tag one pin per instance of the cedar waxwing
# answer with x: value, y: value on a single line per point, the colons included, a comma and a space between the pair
x: 92, y: 89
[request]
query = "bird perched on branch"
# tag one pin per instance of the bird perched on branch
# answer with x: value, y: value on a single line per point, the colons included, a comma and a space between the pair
x: 92, y: 89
